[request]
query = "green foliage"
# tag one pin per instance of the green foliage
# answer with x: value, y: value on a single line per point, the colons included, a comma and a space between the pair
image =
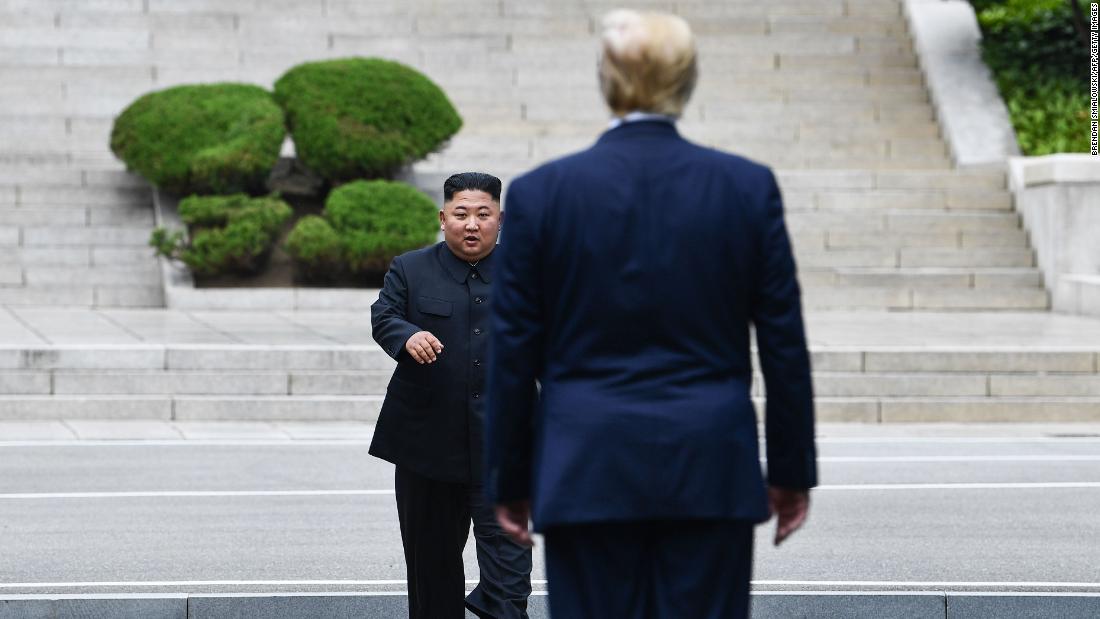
x: 1037, y: 36
x: 379, y: 220
x: 1040, y: 64
x: 356, y: 118
x: 317, y: 248
x: 366, y: 224
x: 229, y: 234
x: 1051, y: 119
x: 201, y: 139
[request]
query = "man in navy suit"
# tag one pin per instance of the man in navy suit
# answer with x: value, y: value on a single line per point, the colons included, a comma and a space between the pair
x: 619, y: 415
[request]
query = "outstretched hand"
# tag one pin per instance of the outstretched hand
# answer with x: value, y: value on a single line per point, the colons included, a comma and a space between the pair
x: 514, y: 518
x: 790, y: 508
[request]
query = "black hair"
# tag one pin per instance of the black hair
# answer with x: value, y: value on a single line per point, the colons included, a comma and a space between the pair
x: 471, y: 181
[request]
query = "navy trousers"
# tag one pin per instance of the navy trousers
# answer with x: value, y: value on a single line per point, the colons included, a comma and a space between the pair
x: 650, y: 570
x: 435, y: 521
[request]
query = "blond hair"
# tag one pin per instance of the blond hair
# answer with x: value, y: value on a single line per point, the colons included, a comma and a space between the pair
x: 648, y: 62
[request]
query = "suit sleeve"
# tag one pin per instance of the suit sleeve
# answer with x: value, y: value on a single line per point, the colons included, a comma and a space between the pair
x: 516, y: 351
x: 387, y: 315
x: 784, y: 358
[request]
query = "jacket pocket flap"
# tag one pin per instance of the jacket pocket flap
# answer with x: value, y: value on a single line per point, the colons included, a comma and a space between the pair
x: 438, y: 307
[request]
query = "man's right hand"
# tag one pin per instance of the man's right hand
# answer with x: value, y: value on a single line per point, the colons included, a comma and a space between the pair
x: 424, y: 347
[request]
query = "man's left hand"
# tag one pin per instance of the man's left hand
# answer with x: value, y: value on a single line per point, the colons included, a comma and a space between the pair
x: 514, y: 518
x: 790, y: 506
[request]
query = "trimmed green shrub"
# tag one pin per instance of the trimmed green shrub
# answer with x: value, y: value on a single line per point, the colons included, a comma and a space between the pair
x: 1035, y: 35
x: 201, y: 139
x: 357, y: 118
x: 229, y: 234
x: 367, y: 224
x: 379, y: 220
x: 316, y: 248
x: 1040, y: 63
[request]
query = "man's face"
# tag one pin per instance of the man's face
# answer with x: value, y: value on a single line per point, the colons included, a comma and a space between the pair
x: 471, y: 224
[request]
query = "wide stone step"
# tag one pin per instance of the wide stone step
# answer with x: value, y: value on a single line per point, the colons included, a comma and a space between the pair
x: 902, y: 220
x: 917, y: 257
x: 110, y: 216
x: 149, y: 295
x: 74, y: 255
x: 840, y: 239
x: 246, y: 408
x: 899, y: 179
x: 195, y: 382
x: 927, y: 278
x: 1043, y: 409
x: 191, y: 357
x: 959, y: 410
x: 68, y: 176
x: 85, y: 235
x: 957, y: 384
x: 373, y: 383
x: 903, y: 298
x: 932, y: 199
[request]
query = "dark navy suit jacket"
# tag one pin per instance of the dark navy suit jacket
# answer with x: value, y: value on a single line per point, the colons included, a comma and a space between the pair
x: 628, y: 277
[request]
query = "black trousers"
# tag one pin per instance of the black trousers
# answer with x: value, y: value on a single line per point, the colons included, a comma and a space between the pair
x: 650, y: 570
x: 435, y: 524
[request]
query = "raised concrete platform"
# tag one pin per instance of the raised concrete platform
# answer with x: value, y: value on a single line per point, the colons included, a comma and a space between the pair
x: 166, y: 365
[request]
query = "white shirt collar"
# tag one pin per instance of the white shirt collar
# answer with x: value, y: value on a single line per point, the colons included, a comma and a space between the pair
x: 633, y: 117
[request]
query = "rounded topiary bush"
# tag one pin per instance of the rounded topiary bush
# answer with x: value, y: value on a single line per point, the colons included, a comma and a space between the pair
x: 378, y: 220
x: 364, y: 225
x: 358, y: 118
x: 316, y: 248
x: 201, y: 139
x: 229, y: 234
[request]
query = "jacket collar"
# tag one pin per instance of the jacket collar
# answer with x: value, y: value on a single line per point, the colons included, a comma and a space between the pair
x: 459, y: 269
x: 629, y: 130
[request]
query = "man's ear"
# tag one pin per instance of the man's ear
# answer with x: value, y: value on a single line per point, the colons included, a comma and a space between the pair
x: 442, y: 219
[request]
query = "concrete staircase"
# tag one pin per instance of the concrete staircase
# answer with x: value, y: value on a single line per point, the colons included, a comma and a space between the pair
x: 826, y: 91
x: 870, y: 384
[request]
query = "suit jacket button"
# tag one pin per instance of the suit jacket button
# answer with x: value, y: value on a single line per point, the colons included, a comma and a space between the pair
x: 477, y: 331
x: 476, y: 395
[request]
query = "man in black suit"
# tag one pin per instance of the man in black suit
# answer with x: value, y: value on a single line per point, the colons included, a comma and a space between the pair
x: 432, y: 316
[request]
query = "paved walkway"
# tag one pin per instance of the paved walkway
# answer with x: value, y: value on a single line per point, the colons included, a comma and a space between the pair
x: 255, y: 514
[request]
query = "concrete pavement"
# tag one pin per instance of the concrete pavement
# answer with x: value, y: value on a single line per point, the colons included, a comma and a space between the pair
x: 991, y: 509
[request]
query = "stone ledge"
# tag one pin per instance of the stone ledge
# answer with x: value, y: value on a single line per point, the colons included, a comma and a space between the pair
x: 383, y: 605
x: 968, y: 105
x: 1059, y: 199
x: 1027, y: 172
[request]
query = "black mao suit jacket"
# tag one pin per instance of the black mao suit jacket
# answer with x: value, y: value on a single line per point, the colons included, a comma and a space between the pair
x: 431, y: 420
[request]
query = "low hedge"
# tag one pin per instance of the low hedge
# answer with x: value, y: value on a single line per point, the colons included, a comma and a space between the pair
x: 201, y: 139
x: 316, y: 248
x: 366, y: 224
x: 355, y: 118
x: 1040, y: 63
x: 229, y: 234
